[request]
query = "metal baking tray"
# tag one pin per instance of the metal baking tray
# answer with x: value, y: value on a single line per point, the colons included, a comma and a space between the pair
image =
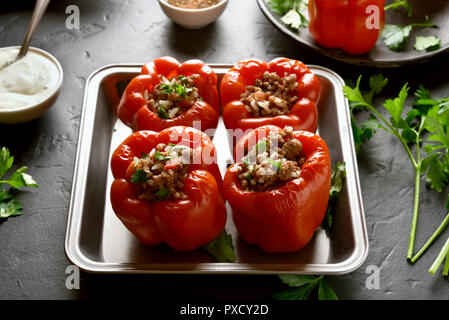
x: 96, y: 241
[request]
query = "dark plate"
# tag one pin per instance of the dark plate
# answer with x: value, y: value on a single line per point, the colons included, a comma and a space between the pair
x: 380, y: 55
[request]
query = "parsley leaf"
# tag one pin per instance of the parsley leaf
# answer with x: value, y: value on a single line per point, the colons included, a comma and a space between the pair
x: 430, y: 43
x: 166, y: 88
x: 139, y: 177
x: 281, y: 6
x: 294, y: 12
x: 18, y: 179
x: 10, y: 208
x: 295, y: 19
x: 302, y: 286
x: 261, y: 146
x: 437, y: 172
x: 297, y: 280
x: 276, y: 164
x: 6, y: 161
x: 396, y: 36
x: 359, y: 100
x: 161, y: 112
x: 222, y: 248
x: 338, y: 176
x: 162, y: 194
x: 160, y: 156
x: 396, y: 106
x: 325, y: 292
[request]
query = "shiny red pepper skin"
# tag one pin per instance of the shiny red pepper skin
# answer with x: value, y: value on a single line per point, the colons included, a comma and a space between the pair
x: 343, y: 24
x: 184, y: 224
x: 133, y: 110
x: 283, y: 219
x: 302, y: 116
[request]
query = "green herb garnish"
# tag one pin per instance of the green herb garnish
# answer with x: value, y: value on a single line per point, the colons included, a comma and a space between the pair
x: 160, y: 156
x: 294, y: 12
x: 429, y: 118
x: 162, y: 194
x: 261, y: 146
x: 395, y: 37
x: 166, y: 88
x: 162, y: 113
x: 18, y: 179
x: 222, y: 248
x: 276, y: 164
x: 366, y: 130
x: 338, y: 176
x: 430, y: 43
x: 139, y: 177
x: 302, y: 286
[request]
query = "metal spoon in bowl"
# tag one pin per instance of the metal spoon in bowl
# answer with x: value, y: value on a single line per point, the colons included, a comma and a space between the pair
x: 39, y: 9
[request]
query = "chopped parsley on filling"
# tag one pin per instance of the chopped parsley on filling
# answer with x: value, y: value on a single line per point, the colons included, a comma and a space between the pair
x: 272, y: 162
x: 160, y: 175
x: 170, y: 98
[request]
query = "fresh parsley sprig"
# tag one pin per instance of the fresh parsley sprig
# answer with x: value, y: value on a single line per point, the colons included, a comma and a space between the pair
x: 9, y: 207
x: 366, y: 130
x: 427, y: 116
x: 294, y: 12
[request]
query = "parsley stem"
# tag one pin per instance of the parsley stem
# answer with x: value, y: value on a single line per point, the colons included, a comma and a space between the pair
x: 411, y: 244
x: 431, y: 240
x: 446, y: 266
x: 439, y: 260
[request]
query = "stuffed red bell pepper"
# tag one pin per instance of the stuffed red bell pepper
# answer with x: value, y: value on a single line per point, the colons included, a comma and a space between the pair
x: 168, y: 93
x: 278, y: 188
x: 283, y: 92
x: 353, y: 26
x: 167, y: 186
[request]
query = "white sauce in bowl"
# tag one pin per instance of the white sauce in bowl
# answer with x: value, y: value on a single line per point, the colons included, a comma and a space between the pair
x: 27, y: 81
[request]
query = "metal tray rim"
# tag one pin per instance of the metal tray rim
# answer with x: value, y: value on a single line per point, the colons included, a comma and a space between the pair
x: 74, y: 255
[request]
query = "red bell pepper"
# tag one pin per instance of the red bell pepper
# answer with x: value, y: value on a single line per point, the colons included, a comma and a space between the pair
x: 302, y: 116
x: 282, y: 219
x: 133, y: 110
x: 349, y: 25
x: 184, y: 224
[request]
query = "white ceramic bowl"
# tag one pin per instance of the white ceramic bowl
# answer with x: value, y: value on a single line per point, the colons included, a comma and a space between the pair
x: 33, y: 111
x: 193, y: 18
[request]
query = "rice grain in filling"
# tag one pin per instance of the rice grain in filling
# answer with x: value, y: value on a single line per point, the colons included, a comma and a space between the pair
x: 272, y: 162
x: 172, y: 97
x: 271, y: 96
x: 160, y: 175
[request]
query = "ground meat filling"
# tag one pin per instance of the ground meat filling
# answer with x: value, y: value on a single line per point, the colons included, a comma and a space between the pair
x: 160, y: 175
x: 272, y: 162
x: 171, y: 98
x: 193, y: 4
x: 271, y: 96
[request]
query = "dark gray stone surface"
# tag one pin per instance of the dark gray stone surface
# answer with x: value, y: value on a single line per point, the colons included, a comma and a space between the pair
x: 32, y: 260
